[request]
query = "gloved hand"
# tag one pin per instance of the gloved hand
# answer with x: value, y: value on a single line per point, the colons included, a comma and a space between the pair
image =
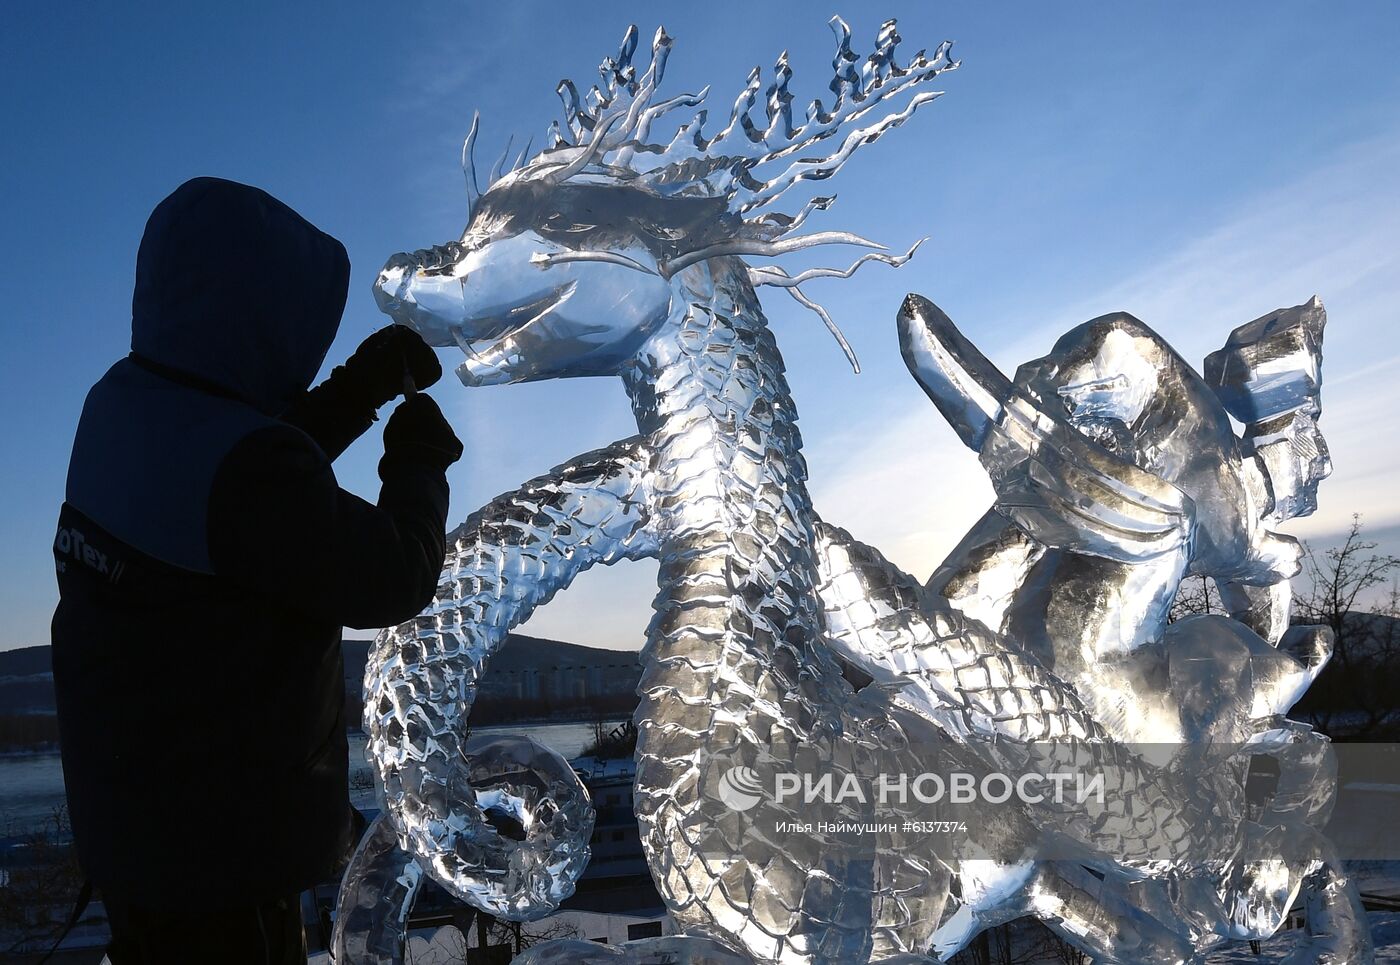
x: 418, y: 432
x: 387, y: 359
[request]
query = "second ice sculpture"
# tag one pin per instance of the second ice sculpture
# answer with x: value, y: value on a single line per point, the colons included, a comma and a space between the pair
x: 1118, y: 473
x: 780, y: 641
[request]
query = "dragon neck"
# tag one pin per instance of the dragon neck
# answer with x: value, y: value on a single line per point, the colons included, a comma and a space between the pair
x: 734, y: 670
x: 729, y: 486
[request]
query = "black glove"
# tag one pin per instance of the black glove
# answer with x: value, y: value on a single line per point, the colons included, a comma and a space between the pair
x: 389, y: 361
x: 417, y: 432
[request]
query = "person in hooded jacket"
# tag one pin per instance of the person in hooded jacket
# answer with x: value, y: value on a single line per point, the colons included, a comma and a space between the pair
x: 207, y: 561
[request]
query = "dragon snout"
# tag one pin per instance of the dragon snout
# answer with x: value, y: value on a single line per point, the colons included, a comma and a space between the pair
x: 392, y: 284
x: 399, y: 271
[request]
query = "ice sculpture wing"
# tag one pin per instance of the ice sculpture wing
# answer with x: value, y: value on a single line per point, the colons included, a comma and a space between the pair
x: 1061, y: 488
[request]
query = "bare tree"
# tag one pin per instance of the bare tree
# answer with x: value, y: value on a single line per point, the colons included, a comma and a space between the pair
x: 1355, y: 697
x: 611, y: 740
x: 520, y: 936
x: 1067, y: 954
x: 600, y: 730
x: 37, y: 896
x: 1197, y: 594
x: 506, y: 938
x: 1338, y: 580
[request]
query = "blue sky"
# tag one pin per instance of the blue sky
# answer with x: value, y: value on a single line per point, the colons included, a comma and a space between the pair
x: 1196, y: 164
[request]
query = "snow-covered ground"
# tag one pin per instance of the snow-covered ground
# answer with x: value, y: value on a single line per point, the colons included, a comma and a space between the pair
x: 1385, y: 932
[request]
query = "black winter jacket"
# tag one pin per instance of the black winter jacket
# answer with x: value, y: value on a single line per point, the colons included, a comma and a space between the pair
x: 207, y: 560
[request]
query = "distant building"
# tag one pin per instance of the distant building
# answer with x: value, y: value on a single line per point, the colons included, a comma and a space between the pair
x: 565, y: 683
x: 530, y: 677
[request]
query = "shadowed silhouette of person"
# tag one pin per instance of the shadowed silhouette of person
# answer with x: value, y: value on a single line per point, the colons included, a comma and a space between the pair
x: 207, y: 561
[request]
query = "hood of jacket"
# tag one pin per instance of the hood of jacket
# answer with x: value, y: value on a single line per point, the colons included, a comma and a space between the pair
x: 236, y: 289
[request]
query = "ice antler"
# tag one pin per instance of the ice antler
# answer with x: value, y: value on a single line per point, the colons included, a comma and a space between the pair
x: 728, y: 162
x: 857, y: 95
x: 612, y: 124
x: 581, y: 116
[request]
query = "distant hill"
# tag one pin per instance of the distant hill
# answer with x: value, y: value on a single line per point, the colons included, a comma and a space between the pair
x: 527, y: 669
x: 531, y: 677
x: 25, y: 661
x: 520, y: 653
x: 26, y: 682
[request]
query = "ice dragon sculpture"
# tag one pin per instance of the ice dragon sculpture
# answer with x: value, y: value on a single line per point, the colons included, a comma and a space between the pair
x: 777, y: 638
